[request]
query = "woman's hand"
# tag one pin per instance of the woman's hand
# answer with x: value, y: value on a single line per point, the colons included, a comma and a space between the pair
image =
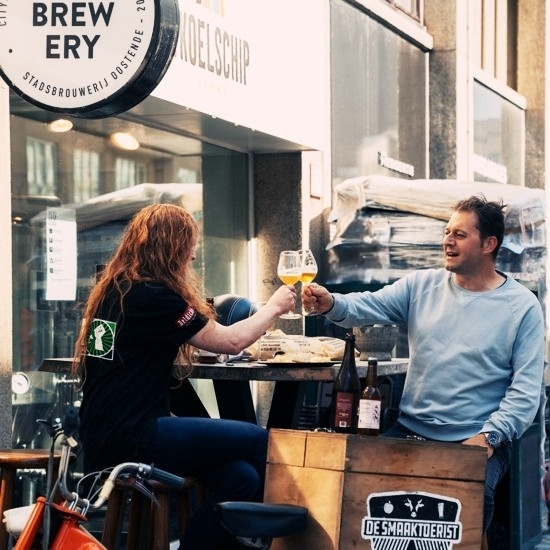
x: 283, y: 300
x: 232, y: 339
x: 316, y: 298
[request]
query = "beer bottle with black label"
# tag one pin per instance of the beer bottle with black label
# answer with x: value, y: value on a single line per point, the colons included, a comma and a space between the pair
x: 370, y: 403
x: 346, y: 391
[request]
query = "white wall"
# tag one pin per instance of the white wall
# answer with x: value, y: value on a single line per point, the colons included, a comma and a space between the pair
x: 278, y: 86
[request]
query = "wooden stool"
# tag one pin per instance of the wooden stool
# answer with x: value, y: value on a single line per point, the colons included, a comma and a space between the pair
x: 12, y: 460
x: 148, y: 522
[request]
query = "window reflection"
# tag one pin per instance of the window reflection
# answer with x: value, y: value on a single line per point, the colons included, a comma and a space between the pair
x: 85, y: 174
x: 378, y: 99
x: 499, y: 128
x: 40, y: 167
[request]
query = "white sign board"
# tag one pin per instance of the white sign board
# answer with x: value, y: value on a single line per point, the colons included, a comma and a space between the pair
x: 88, y: 59
x: 60, y: 254
x: 261, y: 64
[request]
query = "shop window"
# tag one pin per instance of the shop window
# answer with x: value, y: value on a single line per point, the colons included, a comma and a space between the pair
x: 495, y: 29
x: 80, y: 170
x: 41, y: 162
x: 499, y: 130
x: 378, y: 99
x: 85, y: 174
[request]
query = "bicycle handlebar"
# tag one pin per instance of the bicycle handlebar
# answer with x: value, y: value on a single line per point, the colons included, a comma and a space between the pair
x: 172, y: 480
x: 143, y: 471
x: 69, y: 427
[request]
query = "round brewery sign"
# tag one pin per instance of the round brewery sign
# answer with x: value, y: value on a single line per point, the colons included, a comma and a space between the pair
x: 89, y: 59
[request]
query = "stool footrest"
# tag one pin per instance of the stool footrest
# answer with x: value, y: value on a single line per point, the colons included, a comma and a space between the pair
x: 260, y: 519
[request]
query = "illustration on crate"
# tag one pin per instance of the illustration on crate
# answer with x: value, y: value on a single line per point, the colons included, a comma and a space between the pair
x: 416, y: 520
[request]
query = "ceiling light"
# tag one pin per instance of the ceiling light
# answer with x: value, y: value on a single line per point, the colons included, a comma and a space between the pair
x: 60, y: 125
x: 125, y: 141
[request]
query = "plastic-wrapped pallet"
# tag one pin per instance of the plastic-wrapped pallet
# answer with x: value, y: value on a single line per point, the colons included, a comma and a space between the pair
x: 385, y: 227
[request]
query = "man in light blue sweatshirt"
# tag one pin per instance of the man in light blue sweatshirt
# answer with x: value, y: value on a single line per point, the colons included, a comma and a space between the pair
x: 476, y: 341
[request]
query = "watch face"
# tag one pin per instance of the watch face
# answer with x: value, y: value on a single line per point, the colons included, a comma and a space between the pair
x: 492, y: 438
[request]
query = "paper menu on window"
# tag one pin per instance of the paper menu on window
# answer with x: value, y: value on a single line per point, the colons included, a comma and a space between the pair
x: 61, y: 254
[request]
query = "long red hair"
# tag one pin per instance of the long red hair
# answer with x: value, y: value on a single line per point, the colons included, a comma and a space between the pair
x: 157, y: 245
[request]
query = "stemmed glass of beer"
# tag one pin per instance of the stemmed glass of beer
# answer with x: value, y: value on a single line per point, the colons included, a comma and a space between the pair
x: 289, y: 270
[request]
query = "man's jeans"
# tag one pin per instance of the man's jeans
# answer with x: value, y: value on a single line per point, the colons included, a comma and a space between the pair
x: 228, y: 457
x: 497, y: 466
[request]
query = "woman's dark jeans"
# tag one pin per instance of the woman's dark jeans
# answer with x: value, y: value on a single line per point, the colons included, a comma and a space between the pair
x: 228, y: 457
x: 497, y: 466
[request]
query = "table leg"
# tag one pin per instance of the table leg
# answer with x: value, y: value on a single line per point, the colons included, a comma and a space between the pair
x: 235, y: 400
x: 286, y: 405
x: 184, y: 400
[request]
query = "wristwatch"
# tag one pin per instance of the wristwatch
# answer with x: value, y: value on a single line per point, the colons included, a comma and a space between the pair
x: 493, y: 439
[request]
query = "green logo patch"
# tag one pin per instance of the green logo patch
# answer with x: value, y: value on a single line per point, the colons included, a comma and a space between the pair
x: 101, y: 339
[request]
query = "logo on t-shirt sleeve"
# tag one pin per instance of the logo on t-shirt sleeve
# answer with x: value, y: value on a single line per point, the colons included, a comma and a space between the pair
x: 101, y: 339
x: 186, y: 317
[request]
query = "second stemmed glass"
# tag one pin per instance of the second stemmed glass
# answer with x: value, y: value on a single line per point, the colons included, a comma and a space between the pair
x: 289, y: 270
x: 309, y: 270
x: 309, y: 266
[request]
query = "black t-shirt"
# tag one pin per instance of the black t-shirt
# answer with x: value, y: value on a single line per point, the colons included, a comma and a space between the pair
x: 128, y: 370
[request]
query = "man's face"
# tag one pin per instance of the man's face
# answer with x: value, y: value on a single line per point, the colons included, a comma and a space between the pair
x: 462, y: 245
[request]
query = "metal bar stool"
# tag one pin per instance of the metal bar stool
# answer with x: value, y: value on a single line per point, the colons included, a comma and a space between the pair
x: 12, y: 460
x: 148, y: 520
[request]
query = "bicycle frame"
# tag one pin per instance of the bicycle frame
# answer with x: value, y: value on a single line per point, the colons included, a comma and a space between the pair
x: 68, y: 532
x: 259, y: 522
x: 70, y: 535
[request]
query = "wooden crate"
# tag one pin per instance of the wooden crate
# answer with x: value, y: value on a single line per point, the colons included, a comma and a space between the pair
x: 377, y: 492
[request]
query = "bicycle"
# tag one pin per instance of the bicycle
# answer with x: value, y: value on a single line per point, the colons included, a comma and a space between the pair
x: 253, y: 524
x: 68, y: 531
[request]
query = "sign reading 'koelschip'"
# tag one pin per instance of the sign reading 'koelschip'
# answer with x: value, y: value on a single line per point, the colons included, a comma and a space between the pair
x: 88, y: 58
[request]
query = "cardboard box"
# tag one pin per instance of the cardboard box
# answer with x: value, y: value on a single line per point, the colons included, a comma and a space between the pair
x: 377, y: 492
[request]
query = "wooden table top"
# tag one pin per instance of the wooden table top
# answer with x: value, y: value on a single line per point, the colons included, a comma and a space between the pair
x: 291, y: 372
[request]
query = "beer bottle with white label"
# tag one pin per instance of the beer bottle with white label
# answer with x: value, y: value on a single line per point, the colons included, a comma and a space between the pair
x: 346, y: 392
x: 370, y: 403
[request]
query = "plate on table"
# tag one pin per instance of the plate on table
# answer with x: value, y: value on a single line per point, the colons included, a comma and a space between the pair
x: 301, y: 364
